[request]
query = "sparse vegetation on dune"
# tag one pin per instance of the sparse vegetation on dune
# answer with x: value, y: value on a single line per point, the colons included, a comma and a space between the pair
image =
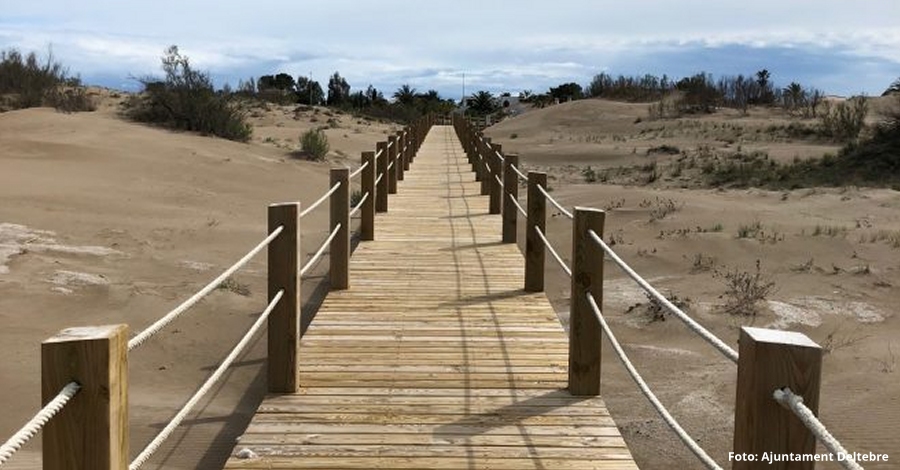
x: 25, y: 82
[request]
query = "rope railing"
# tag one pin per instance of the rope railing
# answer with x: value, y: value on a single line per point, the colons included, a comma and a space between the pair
x: 559, y: 260
x: 645, y: 389
x: 793, y: 402
x: 359, y: 170
x: 555, y: 203
x: 143, y: 336
x: 518, y: 206
x: 359, y: 205
x: 154, y: 445
x: 320, y: 200
x: 309, y: 264
x: 378, y: 180
x: 499, y: 181
x: 36, y: 423
x: 519, y: 172
x: 710, y: 338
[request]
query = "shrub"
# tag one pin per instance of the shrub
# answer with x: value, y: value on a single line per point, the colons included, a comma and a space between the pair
x: 26, y: 83
x: 744, y: 290
x: 186, y: 100
x: 843, y: 122
x: 314, y: 143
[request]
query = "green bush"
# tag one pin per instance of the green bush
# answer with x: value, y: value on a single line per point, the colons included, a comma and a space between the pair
x: 26, y: 83
x: 844, y: 121
x: 186, y: 100
x: 314, y: 143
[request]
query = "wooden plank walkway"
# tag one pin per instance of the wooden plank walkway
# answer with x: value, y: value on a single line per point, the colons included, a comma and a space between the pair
x: 435, y: 357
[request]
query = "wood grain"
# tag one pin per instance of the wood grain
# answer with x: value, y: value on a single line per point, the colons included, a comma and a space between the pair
x: 435, y: 357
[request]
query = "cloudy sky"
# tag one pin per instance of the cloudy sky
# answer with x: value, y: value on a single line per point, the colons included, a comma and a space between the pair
x: 841, y: 46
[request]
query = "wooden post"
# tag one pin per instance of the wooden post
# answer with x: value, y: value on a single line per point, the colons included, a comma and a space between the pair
x: 587, y: 277
x: 409, y: 143
x: 401, y: 154
x: 392, y: 159
x: 484, y: 146
x: 768, y: 360
x: 339, y: 251
x: 367, y: 184
x: 496, y: 189
x: 284, y: 321
x: 91, y: 432
x: 511, y: 190
x: 534, y: 247
x: 381, y: 187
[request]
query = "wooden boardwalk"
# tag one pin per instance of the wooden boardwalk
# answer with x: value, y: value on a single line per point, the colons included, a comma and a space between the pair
x: 435, y: 357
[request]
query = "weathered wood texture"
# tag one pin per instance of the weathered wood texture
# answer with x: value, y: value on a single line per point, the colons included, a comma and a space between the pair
x: 435, y: 357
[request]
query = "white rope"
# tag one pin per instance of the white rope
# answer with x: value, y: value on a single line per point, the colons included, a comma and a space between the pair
x: 553, y: 252
x: 153, y: 446
x: 693, y: 325
x: 679, y: 431
x: 321, y: 199
x: 162, y: 322
x: 359, y: 170
x: 500, y: 156
x: 794, y: 402
x: 378, y: 153
x: 523, y: 176
x: 378, y: 180
x: 35, y: 424
x: 359, y: 204
x: 553, y: 201
x: 499, y: 181
x: 322, y: 248
x: 518, y: 206
x: 391, y: 165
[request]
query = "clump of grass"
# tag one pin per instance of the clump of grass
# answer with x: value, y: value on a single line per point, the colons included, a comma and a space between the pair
x: 514, y: 136
x: 589, y: 175
x: 355, y: 197
x: 829, y: 230
x: 702, y: 263
x: 314, y: 143
x: 232, y: 285
x: 662, y: 208
x: 654, y: 309
x: 749, y: 230
x: 664, y: 149
x: 744, y: 290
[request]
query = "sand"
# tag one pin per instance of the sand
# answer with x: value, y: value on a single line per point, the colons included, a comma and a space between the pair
x: 828, y: 250
x: 106, y: 221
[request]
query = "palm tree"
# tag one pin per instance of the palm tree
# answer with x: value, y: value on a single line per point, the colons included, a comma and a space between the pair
x: 482, y: 103
x: 405, y: 95
x: 794, y: 96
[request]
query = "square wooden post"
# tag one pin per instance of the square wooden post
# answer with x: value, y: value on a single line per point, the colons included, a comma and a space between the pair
x: 284, y: 321
x: 484, y: 146
x: 496, y: 189
x: 770, y: 360
x: 381, y: 185
x: 392, y: 164
x: 534, y: 246
x: 339, y: 251
x: 401, y: 154
x: 510, y: 192
x: 584, y: 328
x: 367, y: 222
x: 91, y: 431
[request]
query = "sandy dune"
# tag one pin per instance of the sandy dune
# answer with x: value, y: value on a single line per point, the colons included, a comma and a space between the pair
x: 829, y: 252
x: 104, y: 221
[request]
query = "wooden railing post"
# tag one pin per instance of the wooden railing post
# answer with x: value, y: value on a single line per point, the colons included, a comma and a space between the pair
x: 584, y: 328
x: 392, y: 158
x: 484, y: 150
x: 91, y: 432
x: 534, y: 247
x: 284, y: 320
x: 496, y: 189
x: 367, y: 186
x: 768, y: 360
x: 409, y: 143
x: 381, y: 187
x: 401, y: 154
x: 339, y: 251
x: 511, y: 190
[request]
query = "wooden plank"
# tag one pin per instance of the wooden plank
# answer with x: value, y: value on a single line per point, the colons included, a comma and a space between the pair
x: 436, y: 357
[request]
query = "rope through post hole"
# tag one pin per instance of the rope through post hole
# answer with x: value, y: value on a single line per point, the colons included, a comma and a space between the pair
x: 359, y: 204
x: 553, y: 252
x: 40, y: 419
x: 321, y: 200
x: 359, y: 170
x: 691, y: 324
x: 518, y: 206
x: 157, y: 441
x: 553, y: 201
x: 788, y: 399
x: 169, y: 317
x: 322, y: 248
x: 663, y: 412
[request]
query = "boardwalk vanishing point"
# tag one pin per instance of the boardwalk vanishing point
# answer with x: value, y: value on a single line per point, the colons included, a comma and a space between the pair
x: 435, y: 357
